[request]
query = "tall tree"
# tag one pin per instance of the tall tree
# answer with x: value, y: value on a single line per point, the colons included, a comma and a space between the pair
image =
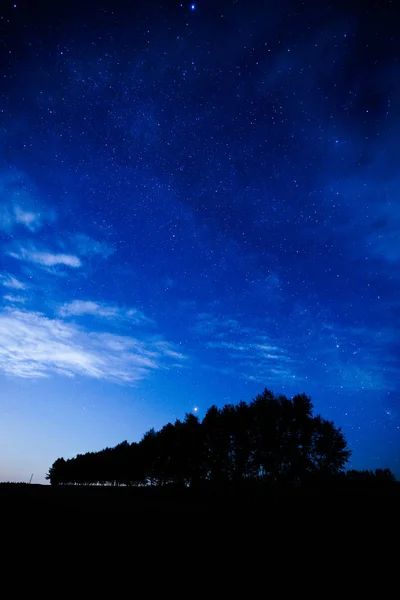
x: 217, y: 446
x: 57, y: 472
x: 329, y: 452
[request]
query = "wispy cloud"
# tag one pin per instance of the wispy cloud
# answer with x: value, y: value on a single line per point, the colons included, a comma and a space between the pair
x: 210, y: 324
x: 14, y: 299
x: 256, y: 356
x: 253, y: 346
x: 259, y: 373
x: 87, y: 246
x: 107, y: 311
x: 6, y: 219
x: 12, y: 282
x: 11, y: 216
x: 339, y: 357
x: 169, y: 350
x: 367, y: 376
x: 257, y: 362
x: 20, y: 204
x: 361, y: 360
x: 46, y: 259
x: 31, y: 220
x: 32, y: 346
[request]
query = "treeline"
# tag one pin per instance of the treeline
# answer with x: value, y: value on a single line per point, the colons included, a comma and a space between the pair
x: 271, y: 439
x: 371, y: 477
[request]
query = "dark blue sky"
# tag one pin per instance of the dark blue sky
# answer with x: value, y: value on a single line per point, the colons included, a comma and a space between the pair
x: 197, y: 202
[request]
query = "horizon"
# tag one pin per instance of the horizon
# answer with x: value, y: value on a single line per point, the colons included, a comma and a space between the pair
x: 198, y: 201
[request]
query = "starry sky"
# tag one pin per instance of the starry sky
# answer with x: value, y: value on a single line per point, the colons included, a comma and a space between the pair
x: 197, y: 201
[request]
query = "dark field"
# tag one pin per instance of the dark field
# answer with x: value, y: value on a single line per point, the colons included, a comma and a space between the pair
x: 312, y: 500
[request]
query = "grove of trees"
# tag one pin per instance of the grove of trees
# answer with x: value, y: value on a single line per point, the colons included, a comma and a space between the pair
x: 271, y: 439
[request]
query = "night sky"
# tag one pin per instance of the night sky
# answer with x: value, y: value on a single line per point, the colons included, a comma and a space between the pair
x: 198, y: 201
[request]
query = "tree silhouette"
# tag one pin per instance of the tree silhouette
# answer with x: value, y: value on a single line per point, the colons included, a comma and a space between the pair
x: 377, y: 477
x: 329, y: 448
x: 57, y: 472
x: 217, y: 447
x: 272, y: 439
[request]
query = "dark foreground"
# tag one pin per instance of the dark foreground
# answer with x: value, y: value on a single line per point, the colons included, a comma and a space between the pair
x: 314, y: 499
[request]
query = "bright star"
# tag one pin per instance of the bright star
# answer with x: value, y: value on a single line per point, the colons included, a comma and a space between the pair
x: 192, y: 7
x: 195, y: 409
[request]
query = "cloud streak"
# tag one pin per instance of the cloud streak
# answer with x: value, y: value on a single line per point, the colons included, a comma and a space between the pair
x: 21, y: 205
x: 78, y: 308
x: 31, y: 220
x: 18, y: 299
x: 34, y: 346
x: 256, y: 359
x: 87, y: 246
x: 12, y: 282
x: 46, y: 259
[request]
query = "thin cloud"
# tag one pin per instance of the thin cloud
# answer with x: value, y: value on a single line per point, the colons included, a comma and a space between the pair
x: 260, y: 373
x: 367, y: 362
x: 364, y: 376
x: 6, y: 219
x: 87, y: 307
x: 249, y: 347
x: 31, y: 220
x: 87, y: 246
x: 78, y: 308
x: 169, y: 350
x: 34, y: 346
x: 47, y: 259
x: 14, y: 299
x: 226, y: 345
x: 9, y: 281
x: 11, y: 216
x: 20, y: 204
x: 207, y: 324
x: 255, y: 357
